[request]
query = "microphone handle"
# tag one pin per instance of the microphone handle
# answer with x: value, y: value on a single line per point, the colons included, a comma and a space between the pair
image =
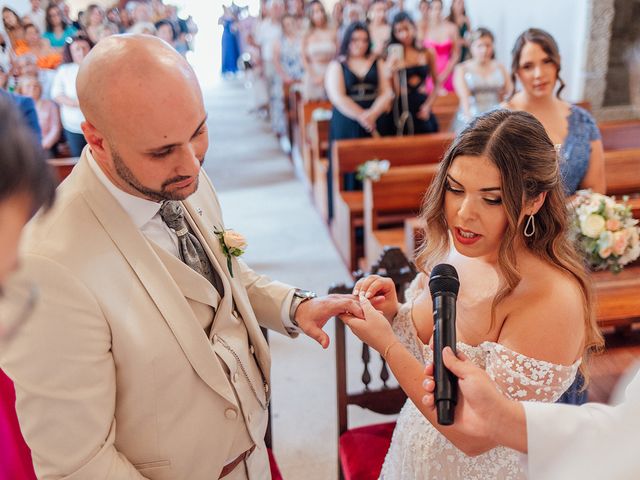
x: 446, y: 394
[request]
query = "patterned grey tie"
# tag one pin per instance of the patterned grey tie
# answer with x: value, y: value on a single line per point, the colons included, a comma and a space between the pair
x: 191, y: 251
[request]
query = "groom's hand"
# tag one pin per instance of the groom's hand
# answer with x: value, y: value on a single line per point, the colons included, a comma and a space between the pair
x: 313, y: 314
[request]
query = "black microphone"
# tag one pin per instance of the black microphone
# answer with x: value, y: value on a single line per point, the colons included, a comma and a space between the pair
x: 444, y: 285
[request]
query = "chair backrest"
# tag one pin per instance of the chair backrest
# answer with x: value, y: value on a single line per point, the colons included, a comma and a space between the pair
x: 385, y: 400
x: 348, y: 155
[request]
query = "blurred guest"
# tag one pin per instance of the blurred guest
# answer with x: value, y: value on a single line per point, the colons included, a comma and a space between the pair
x: 140, y: 12
x: 6, y: 53
x: 36, y: 15
x: 165, y: 30
x: 378, y: 26
x: 295, y: 8
x: 458, y: 16
x: 48, y: 114
x: 287, y: 55
x: 337, y: 16
x: 230, y: 44
x: 411, y: 64
x: 481, y: 82
x: 27, y: 108
x: 93, y: 18
x: 106, y: 30
x: 113, y: 16
x: 353, y: 12
x: 26, y: 65
x: 423, y: 22
x: 359, y: 91
x: 394, y: 8
x: 63, y: 92
x: 443, y: 37
x: 26, y: 184
x: 46, y: 57
x: 535, y: 63
x: 58, y: 30
x: 4, y: 78
x: 318, y: 49
x: 181, y: 27
x: 13, y: 26
x: 142, y: 28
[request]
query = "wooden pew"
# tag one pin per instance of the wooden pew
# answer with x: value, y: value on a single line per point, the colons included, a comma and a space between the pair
x: 62, y: 166
x: 388, y: 202
x: 305, y: 112
x: 319, y: 140
x: 347, y: 155
x: 622, y: 173
x: 620, y: 135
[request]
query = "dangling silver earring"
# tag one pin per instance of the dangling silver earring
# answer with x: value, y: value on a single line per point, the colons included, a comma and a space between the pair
x: 530, y: 227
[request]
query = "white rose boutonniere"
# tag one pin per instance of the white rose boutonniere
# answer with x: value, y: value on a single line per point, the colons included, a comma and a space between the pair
x: 233, y: 244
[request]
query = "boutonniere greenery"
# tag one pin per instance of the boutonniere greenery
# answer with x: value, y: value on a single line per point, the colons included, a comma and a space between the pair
x: 232, y: 243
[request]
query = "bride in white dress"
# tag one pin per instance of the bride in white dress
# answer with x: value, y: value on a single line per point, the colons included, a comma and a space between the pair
x: 496, y: 212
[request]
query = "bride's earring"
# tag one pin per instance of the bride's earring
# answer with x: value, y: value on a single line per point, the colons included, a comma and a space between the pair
x: 530, y: 227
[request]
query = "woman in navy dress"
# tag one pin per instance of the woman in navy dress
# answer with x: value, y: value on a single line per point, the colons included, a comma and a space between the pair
x: 359, y: 91
x: 411, y: 65
x: 230, y: 44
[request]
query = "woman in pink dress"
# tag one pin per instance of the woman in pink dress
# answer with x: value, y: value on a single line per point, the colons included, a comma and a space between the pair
x: 442, y: 36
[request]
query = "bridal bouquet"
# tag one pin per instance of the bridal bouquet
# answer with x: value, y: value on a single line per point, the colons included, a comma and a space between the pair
x: 372, y: 169
x: 605, y: 231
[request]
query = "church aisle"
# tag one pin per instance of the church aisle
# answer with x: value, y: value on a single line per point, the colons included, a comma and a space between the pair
x: 262, y: 199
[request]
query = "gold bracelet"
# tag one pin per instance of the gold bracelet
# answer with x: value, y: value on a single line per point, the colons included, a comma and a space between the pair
x: 386, y: 350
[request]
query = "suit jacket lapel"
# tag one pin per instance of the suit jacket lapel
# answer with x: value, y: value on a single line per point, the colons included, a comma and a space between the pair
x: 192, y: 284
x: 158, y: 282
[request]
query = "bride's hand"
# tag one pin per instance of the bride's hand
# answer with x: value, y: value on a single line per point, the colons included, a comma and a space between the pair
x: 374, y: 330
x: 381, y: 292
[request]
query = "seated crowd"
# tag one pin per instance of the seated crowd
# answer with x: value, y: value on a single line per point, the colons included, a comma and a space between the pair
x: 40, y: 54
x: 385, y: 69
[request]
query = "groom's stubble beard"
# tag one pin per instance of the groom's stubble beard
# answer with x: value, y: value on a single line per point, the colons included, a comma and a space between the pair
x: 127, y: 176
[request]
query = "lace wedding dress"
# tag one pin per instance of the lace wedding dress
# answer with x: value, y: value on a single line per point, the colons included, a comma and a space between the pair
x: 419, y: 451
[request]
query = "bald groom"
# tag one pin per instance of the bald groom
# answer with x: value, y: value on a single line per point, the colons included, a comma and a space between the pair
x: 144, y: 357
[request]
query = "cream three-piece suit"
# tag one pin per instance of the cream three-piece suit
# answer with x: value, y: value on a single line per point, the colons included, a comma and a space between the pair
x: 115, y: 374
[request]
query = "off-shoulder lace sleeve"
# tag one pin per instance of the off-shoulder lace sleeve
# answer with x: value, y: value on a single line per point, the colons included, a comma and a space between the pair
x: 524, y: 378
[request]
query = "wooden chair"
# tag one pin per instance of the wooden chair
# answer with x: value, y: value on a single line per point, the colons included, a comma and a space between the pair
x: 348, y: 155
x: 388, y: 202
x: 361, y: 450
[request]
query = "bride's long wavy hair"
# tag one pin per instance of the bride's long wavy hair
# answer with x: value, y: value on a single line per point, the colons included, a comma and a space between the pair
x: 518, y: 145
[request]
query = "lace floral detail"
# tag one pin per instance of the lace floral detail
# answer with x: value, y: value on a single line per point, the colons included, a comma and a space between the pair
x: 419, y: 451
x: 525, y: 378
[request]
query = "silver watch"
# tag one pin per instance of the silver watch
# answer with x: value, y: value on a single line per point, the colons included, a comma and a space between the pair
x: 299, y: 296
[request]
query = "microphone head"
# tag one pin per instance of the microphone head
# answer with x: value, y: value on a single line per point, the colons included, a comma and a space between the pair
x: 444, y: 278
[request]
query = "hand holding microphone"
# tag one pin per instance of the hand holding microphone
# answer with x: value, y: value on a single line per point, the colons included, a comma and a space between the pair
x: 444, y: 286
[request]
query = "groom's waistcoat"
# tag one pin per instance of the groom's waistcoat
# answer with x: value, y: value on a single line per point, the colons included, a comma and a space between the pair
x: 231, y: 347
